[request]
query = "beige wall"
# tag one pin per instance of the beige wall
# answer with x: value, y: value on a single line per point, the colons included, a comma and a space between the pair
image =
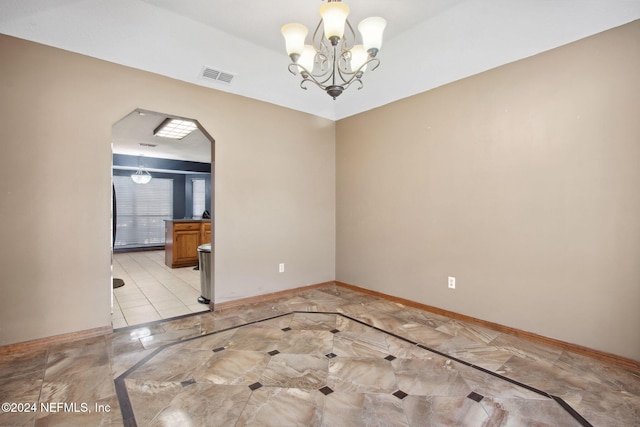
x: 274, y: 190
x: 523, y: 182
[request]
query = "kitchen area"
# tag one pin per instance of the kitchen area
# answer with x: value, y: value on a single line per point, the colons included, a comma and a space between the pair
x: 163, y: 231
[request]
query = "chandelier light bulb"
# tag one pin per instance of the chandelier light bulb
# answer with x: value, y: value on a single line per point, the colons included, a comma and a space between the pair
x: 359, y: 57
x: 334, y: 15
x: 294, y: 36
x: 307, y: 58
x: 371, y: 30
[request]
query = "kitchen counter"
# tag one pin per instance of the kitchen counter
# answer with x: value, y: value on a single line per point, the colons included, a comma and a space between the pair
x: 182, y: 238
x: 189, y: 220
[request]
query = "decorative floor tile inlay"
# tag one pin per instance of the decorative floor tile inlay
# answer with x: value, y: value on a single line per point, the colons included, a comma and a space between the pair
x: 188, y: 382
x: 270, y: 372
x: 400, y: 394
x: 326, y: 390
x: 475, y: 396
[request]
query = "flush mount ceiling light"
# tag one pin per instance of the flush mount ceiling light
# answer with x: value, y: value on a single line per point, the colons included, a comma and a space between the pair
x: 175, y: 128
x: 334, y: 61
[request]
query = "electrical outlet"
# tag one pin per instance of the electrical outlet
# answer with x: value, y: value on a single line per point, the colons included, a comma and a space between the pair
x: 452, y: 282
x: 281, y: 267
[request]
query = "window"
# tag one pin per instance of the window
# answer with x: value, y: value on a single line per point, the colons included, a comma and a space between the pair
x: 141, y: 211
x: 198, y: 197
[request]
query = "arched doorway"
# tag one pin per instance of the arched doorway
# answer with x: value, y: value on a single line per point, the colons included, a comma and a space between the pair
x: 180, y: 189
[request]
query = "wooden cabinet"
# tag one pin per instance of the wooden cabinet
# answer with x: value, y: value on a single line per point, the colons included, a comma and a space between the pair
x: 205, y: 233
x: 182, y: 239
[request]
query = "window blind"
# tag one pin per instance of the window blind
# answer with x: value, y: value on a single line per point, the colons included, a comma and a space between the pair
x: 142, y: 209
x: 198, y: 189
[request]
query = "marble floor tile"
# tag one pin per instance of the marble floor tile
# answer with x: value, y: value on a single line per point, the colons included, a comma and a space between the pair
x: 445, y: 411
x: 314, y: 342
x: 523, y: 412
x: 526, y: 350
x: 282, y: 407
x: 471, y: 332
x: 423, y: 334
x: 369, y: 343
x: 232, y: 367
x: 21, y: 363
x: 363, y: 409
x: 203, y: 405
x: 326, y: 356
x: 254, y: 338
x: 486, y: 356
x: 361, y: 375
x: 300, y: 371
x: 436, y: 376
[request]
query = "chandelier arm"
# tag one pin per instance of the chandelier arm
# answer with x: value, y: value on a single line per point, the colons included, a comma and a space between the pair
x: 357, y: 79
x: 293, y: 68
x: 322, y: 60
x: 319, y: 41
x: 374, y: 61
x: 311, y: 79
x: 348, y: 42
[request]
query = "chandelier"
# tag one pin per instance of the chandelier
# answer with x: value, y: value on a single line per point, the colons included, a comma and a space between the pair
x: 142, y: 176
x: 334, y: 62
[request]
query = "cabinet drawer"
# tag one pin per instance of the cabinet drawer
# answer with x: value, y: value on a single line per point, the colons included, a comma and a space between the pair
x: 186, y: 226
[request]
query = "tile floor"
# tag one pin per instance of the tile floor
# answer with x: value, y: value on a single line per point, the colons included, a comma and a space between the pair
x: 322, y: 357
x: 152, y: 291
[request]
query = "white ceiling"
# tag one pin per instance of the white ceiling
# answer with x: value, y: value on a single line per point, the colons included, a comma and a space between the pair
x: 133, y: 135
x: 427, y: 43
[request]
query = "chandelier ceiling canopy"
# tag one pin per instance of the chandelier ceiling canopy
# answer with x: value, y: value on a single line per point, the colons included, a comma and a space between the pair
x: 334, y: 61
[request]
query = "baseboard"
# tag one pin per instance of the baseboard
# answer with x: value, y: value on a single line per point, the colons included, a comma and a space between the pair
x: 530, y: 336
x: 41, y: 343
x: 266, y: 297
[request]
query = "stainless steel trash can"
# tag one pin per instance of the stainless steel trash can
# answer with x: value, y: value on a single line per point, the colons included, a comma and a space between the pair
x: 204, y: 261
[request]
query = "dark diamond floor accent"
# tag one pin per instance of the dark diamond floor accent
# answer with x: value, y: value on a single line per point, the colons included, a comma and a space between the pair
x: 129, y: 417
x: 273, y: 352
x: 326, y: 390
x: 390, y: 358
x: 334, y: 331
x: 400, y: 394
x: 287, y: 329
x: 188, y: 382
x: 475, y: 396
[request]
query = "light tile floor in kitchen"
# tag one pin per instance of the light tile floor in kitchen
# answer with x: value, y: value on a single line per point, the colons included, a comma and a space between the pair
x: 329, y: 356
x: 152, y: 291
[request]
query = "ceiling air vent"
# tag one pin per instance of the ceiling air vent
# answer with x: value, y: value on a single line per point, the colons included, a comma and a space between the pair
x: 211, y: 74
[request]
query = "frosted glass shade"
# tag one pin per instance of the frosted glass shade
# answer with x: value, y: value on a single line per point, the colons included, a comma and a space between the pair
x: 294, y: 36
x: 334, y: 15
x: 371, y: 30
x: 141, y: 176
x: 358, y: 57
x: 307, y: 58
